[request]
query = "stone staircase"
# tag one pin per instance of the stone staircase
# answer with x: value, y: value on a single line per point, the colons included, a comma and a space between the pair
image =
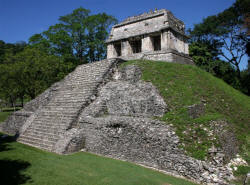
x: 55, y: 118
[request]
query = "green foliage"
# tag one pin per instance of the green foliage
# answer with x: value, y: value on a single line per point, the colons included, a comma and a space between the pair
x: 183, y: 85
x: 80, y: 168
x: 78, y: 35
x: 245, y: 76
x: 242, y: 170
x: 27, y: 70
x: 222, y: 36
x: 205, y: 57
x: 3, y: 116
x: 29, y: 73
x: 7, y: 49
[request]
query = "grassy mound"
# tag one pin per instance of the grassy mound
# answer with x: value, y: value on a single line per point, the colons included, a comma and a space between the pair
x: 21, y: 164
x: 185, y: 85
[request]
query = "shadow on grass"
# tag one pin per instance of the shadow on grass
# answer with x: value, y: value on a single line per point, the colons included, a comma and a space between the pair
x: 11, y: 171
x: 4, y: 142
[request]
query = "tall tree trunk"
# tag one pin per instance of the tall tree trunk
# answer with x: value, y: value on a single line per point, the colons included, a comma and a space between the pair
x: 22, y: 100
x: 238, y: 72
x: 81, y: 59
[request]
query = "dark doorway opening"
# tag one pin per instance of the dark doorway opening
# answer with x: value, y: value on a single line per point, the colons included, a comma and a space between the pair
x: 157, y: 42
x: 118, y: 49
x: 136, y: 46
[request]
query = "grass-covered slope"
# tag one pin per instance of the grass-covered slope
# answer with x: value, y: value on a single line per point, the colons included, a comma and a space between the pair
x: 21, y: 164
x: 185, y: 85
x: 4, y: 115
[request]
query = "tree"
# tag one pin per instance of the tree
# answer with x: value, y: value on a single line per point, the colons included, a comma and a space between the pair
x: 205, y: 56
x: 97, y: 26
x: 226, y: 31
x: 10, y: 49
x: 8, y: 88
x: 29, y: 73
x: 36, y: 70
x: 78, y: 34
x: 2, y: 51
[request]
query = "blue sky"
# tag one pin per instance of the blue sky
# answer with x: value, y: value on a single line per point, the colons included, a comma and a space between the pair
x: 20, y: 19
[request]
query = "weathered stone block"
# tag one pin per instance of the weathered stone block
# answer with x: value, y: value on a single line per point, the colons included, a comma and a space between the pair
x: 196, y: 110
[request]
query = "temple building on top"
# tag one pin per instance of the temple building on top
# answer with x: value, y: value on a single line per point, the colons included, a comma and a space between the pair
x: 156, y: 35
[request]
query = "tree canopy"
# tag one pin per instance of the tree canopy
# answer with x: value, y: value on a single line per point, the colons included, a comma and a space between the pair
x: 26, y: 70
x: 78, y: 35
x: 219, y: 38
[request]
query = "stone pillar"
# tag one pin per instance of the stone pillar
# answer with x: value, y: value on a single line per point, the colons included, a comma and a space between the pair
x: 183, y: 44
x: 164, y: 40
x: 172, y: 40
x: 111, y: 53
x: 126, y: 48
x: 186, y: 48
x: 179, y: 44
x: 147, y: 44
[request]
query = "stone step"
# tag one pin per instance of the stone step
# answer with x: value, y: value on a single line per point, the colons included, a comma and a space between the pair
x: 56, y: 108
x: 52, y: 118
x: 70, y: 102
x: 87, y: 79
x: 48, y: 106
x: 47, y: 134
x: 56, y: 112
x: 56, y: 117
x: 50, y: 121
x: 52, y: 128
x: 90, y: 75
x: 81, y: 90
x: 39, y: 139
x: 88, y: 69
x: 30, y: 142
x: 73, y: 98
x: 81, y: 86
x: 40, y: 121
x: 71, y: 95
x: 82, y: 93
x: 78, y: 88
x: 73, y: 104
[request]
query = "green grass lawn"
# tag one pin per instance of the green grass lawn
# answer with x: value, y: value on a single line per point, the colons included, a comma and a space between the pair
x: 4, y: 115
x: 21, y: 164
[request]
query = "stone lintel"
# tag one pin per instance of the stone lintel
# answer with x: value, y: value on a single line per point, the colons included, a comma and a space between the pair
x: 169, y: 55
x: 165, y: 29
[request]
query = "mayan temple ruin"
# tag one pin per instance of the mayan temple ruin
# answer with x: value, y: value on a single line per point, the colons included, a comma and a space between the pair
x: 156, y: 35
x: 106, y: 109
